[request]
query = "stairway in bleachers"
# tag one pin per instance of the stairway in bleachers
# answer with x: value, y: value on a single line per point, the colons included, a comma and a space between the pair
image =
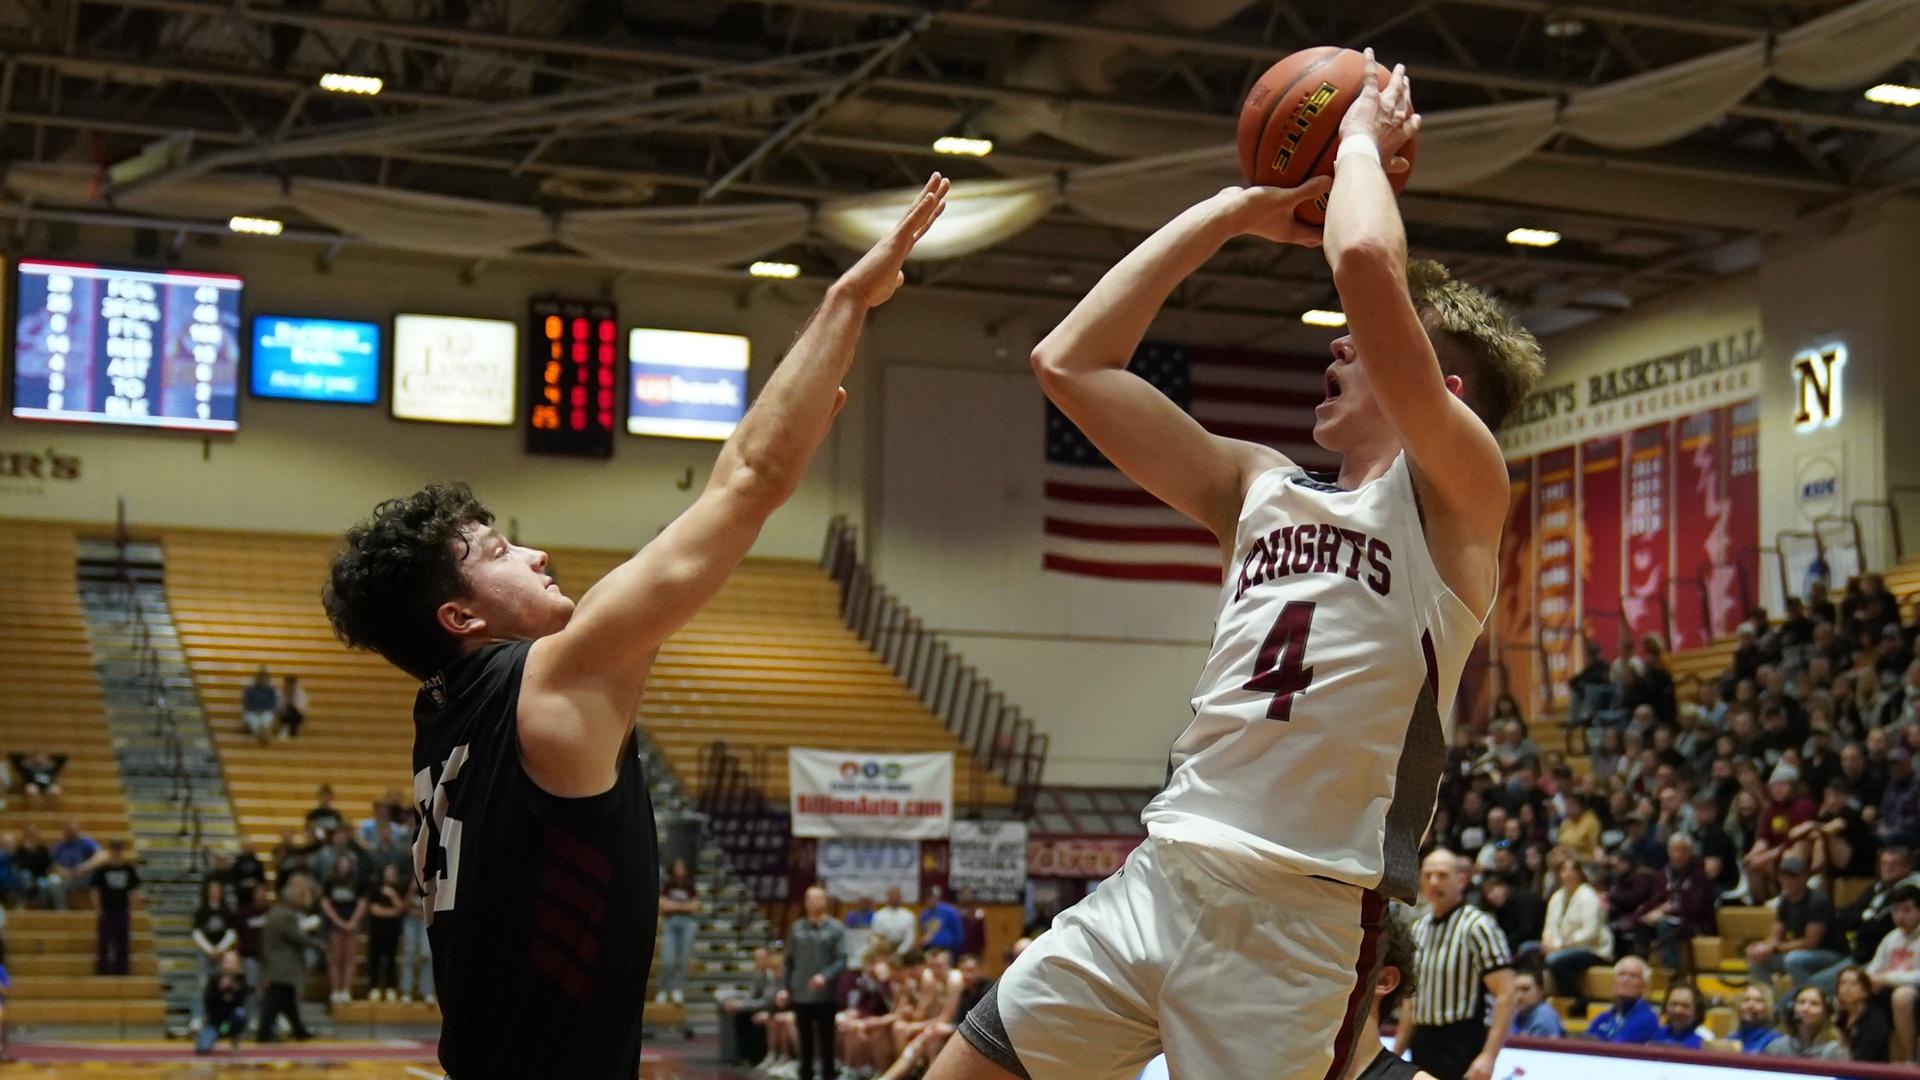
x: 166, y: 756
x: 50, y: 699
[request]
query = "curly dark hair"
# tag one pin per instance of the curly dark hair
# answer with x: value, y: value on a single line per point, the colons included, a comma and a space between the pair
x: 1398, y: 953
x: 397, y: 568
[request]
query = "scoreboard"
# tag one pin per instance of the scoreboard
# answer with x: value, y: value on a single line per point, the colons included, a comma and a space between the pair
x: 573, y: 354
x: 107, y: 345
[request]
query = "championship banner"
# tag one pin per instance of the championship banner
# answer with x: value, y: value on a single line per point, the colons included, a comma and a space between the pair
x: 866, y: 869
x: 1513, y: 611
x: 1553, y: 566
x: 887, y: 796
x: 1600, y: 482
x: 1736, y: 588
x: 989, y: 857
x: 1700, y: 522
x: 1649, y: 502
x: 1078, y: 856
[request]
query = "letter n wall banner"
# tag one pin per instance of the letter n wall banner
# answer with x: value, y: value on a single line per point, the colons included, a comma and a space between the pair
x: 885, y: 796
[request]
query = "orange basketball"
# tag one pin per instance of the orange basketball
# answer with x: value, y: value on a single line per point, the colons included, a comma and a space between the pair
x: 1290, y: 122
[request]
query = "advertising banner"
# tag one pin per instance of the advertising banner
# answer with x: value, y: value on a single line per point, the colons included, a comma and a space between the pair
x: 866, y: 869
x: 885, y: 796
x: 1078, y: 856
x: 989, y: 857
x: 1649, y: 500
x: 1600, y: 481
x: 1700, y: 522
x: 1553, y: 567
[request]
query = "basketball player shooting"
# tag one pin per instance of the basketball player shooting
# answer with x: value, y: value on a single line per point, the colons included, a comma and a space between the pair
x: 1242, y: 936
x: 536, y: 845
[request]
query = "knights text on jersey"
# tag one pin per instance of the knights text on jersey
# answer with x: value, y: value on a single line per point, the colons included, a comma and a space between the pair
x: 540, y: 910
x: 1320, y: 723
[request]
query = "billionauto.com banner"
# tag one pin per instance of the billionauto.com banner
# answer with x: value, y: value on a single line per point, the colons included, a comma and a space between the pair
x: 891, y: 796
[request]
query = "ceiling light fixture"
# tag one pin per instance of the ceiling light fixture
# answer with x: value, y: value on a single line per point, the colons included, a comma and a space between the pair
x: 257, y: 226
x: 962, y: 146
x: 1323, y: 317
x: 1539, y: 238
x: 778, y: 270
x: 340, y: 83
x: 1894, y: 94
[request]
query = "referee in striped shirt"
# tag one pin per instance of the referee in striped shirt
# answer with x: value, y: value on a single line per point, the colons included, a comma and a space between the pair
x: 1461, y: 961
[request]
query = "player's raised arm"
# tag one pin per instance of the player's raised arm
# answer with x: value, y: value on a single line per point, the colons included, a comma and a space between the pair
x: 1452, y: 451
x: 592, y: 671
x: 1082, y: 364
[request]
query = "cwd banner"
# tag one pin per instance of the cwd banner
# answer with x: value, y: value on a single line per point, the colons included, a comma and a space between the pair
x: 989, y: 857
x: 866, y: 869
x: 885, y: 796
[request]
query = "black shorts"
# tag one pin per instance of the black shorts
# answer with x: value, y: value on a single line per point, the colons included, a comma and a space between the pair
x: 1447, y: 1050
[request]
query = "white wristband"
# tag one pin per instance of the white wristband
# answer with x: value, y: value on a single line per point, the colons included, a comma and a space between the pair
x: 1358, y: 143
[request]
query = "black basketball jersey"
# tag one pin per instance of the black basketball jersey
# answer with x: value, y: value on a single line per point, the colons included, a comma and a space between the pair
x: 540, y: 910
x: 1385, y: 1066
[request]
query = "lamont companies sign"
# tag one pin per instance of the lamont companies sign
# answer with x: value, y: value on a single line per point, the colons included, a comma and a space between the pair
x: 1704, y: 375
x: 888, y: 796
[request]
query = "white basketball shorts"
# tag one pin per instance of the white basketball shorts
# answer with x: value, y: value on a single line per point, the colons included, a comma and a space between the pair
x: 1171, y: 954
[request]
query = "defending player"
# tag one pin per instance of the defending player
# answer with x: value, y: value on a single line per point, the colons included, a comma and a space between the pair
x: 1242, y: 936
x: 536, y: 849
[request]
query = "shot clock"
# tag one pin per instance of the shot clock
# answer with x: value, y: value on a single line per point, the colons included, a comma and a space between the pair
x: 572, y: 378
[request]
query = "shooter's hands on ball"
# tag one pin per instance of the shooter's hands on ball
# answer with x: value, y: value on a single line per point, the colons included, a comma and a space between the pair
x: 873, y: 279
x: 1384, y: 116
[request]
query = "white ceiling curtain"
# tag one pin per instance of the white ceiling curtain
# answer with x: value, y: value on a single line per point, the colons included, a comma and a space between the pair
x: 1142, y: 195
x: 1848, y: 47
x: 691, y: 235
x: 979, y: 214
x: 418, y: 221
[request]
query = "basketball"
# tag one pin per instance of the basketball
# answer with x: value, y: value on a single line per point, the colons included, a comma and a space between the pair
x: 1289, y: 124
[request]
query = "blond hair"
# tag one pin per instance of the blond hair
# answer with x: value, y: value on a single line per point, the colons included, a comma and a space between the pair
x: 1477, y: 339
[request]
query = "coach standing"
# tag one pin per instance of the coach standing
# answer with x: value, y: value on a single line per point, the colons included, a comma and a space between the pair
x: 816, y: 955
x: 1461, y: 962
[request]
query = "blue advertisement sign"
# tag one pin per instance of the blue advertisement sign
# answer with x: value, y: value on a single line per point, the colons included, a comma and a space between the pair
x: 686, y: 385
x: 316, y: 359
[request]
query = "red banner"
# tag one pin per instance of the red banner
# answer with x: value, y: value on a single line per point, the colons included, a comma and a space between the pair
x: 1699, y: 523
x: 1649, y: 502
x: 1553, y: 568
x: 1600, y: 483
x: 1078, y: 856
x: 1513, y: 613
x: 1736, y: 587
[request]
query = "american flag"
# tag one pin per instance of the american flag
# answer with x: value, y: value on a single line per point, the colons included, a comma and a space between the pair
x: 1100, y: 524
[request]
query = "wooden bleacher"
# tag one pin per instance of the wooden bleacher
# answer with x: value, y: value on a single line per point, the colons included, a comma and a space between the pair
x: 769, y: 665
x: 50, y: 700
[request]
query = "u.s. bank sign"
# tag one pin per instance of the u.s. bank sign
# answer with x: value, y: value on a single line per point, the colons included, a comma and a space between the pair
x: 1816, y: 386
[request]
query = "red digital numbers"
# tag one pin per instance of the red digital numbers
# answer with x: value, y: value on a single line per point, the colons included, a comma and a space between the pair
x: 571, y: 377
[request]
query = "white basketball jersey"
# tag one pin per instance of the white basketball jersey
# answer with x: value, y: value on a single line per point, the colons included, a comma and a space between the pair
x: 1322, y: 721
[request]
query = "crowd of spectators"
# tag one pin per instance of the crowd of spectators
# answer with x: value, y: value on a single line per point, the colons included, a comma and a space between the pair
x: 866, y: 993
x: 1770, y: 784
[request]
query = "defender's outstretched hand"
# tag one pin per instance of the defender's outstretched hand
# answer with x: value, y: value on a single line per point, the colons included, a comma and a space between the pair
x: 1384, y: 115
x: 873, y: 279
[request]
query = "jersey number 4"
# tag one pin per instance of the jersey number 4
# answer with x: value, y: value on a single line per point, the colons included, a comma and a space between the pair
x: 1280, y: 668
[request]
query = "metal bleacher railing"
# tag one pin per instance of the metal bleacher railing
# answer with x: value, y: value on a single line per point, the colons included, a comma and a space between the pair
x: 997, y: 734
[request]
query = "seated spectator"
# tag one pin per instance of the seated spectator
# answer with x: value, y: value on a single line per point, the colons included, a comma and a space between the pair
x: 290, y: 709
x: 1895, y: 968
x: 748, y: 1011
x: 1868, y: 918
x: 382, y: 822
x: 34, y: 872
x: 1634, y: 889
x: 223, y: 1006
x: 1787, y: 806
x: 1898, y: 821
x: 1517, y: 911
x: 258, y: 704
x: 248, y: 875
x: 290, y: 856
x: 1580, y: 830
x: 1810, y: 1032
x: 1575, y: 936
x: 10, y: 885
x: 39, y: 774
x: 1532, y: 1015
x: 1681, y: 1019
x: 1804, y: 941
x: 1684, y: 910
x: 1632, y: 1019
x: 1838, y: 838
x: 1718, y: 857
x: 74, y: 858
x: 323, y: 818
x: 1865, y: 1024
x: 1755, y: 1033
